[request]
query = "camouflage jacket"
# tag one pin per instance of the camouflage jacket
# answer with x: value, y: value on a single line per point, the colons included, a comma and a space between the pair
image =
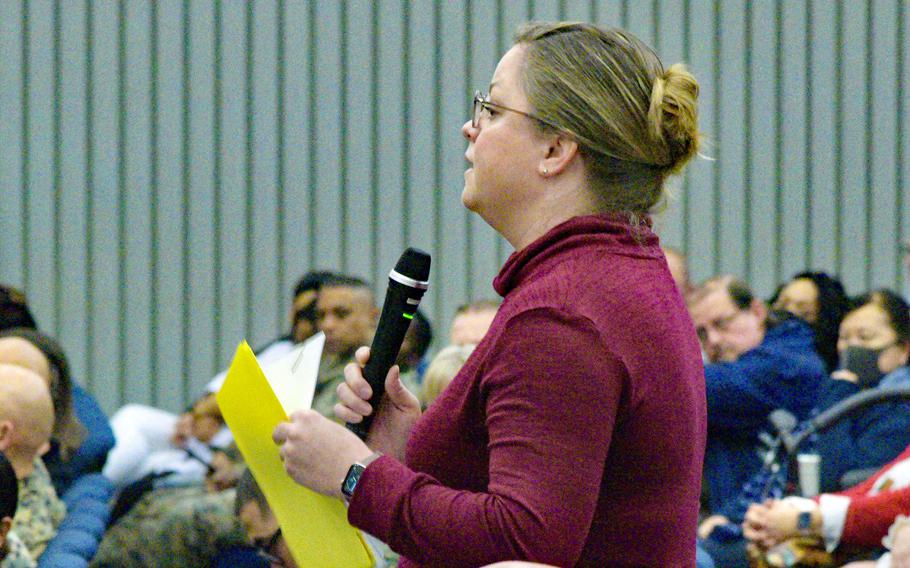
x: 39, y: 511
x: 175, y: 527
x: 17, y: 555
x: 331, y: 374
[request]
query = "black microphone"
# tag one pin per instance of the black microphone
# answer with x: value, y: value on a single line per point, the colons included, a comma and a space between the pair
x: 407, y: 283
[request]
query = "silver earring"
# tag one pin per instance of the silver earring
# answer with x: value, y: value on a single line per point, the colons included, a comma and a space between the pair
x: 546, y: 171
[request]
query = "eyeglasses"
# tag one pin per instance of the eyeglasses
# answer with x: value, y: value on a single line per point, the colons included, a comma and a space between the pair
x: 265, y: 548
x: 482, y: 104
x: 720, y: 325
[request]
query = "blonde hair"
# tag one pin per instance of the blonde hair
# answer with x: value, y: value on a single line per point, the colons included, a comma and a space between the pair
x: 636, y: 123
x: 443, y: 368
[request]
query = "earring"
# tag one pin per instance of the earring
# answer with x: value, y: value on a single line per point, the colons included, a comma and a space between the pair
x: 546, y: 171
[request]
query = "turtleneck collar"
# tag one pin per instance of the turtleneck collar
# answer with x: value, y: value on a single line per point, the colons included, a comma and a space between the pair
x: 611, y: 230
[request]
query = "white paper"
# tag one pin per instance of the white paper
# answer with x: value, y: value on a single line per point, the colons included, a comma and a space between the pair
x: 293, y: 377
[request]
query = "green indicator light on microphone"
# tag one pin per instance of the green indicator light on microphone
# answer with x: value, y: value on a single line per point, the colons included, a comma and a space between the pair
x: 408, y: 316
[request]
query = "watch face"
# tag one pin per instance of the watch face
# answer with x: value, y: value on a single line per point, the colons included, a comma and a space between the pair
x: 351, y: 479
x: 803, y: 521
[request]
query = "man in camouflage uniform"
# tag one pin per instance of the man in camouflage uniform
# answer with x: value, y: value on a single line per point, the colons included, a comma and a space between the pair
x: 13, y: 553
x: 346, y: 313
x: 171, y: 526
x: 26, y: 422
x: 40, y: 511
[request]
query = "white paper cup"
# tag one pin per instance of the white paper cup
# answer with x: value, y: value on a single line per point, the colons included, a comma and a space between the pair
x: 809, y: 466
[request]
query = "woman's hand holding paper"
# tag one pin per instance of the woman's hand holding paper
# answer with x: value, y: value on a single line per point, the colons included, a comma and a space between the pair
x: 317, y: 452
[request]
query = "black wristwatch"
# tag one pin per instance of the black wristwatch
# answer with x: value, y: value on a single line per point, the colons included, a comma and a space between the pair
x: 353, y: 476
x: 804, y: 522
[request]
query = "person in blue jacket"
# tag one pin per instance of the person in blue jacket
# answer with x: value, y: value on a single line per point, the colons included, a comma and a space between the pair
x: 874, y: 350
x: 874, y: 347
x: 756, y: 362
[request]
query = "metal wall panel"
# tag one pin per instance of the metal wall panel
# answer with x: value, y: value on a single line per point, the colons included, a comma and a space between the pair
x: 170, y: 168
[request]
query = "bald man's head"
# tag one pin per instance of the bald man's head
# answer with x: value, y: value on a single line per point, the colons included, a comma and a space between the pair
x: 22, y: 352
x: 26, y: 417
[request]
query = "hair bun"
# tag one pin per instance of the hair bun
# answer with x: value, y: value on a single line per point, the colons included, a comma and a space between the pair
x: 673, y: 116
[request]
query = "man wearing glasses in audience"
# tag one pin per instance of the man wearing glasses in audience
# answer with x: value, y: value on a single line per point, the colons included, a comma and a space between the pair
x: 262, y: 530
x: 260, y: 525
x: 756, y: 362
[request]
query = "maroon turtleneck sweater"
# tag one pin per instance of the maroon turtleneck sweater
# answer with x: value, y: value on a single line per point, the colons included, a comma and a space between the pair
x: 575, y: 433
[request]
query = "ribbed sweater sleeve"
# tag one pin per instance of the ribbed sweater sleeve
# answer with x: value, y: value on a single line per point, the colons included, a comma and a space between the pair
x: 546, y: 387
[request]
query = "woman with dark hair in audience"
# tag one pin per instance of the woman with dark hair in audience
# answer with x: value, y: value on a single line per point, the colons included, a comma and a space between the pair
x: 82, y: 434
x: 821, y: 301
x: 874, y: 348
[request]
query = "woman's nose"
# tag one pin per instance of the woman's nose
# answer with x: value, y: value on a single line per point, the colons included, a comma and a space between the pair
x: 468, y: 131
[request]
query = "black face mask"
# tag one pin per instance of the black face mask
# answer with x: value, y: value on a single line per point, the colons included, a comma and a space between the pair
x: 863, y: 362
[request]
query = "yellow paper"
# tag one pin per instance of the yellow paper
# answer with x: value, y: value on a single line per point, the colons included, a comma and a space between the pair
x: 314, y: 526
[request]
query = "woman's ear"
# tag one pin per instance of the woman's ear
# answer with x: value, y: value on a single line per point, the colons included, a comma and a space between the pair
x: 6, y: 434
x: 561, y: 151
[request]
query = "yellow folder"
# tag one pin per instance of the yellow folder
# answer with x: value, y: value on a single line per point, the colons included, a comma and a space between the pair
x: 314, y: 526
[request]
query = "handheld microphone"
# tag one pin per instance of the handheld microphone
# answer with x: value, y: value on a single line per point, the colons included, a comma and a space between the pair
x: 407, y: 283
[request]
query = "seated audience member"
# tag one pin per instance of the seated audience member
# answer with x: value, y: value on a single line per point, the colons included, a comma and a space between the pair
x: 346, y: 313
x: 303, y: 323
x: 13, y: 553
x: 82, y: 434
x: 676, y: 262
x: 150, y: 439
x: 262, y: 530
x: 874, y: 347
x: 259, y: 523
x: 26, y: 423
x: 14, y: 311
x: 188, y: 460
x: 472, y: 321
x: 443, y: 368
x: 757, y: 362
x: 172, y: 526
x: 845, y: 522
x: 821, y: 301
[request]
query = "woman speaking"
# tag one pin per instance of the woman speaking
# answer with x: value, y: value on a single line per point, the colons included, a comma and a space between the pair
x: 574, y: 434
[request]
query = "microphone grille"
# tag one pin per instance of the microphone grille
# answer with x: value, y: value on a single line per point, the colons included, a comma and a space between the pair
x: 415, y: 264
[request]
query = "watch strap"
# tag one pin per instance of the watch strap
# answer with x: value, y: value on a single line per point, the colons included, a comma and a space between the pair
x: 352, y: 478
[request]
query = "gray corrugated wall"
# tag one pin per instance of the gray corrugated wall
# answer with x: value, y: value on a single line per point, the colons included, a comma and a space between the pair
x: 169, y: 168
